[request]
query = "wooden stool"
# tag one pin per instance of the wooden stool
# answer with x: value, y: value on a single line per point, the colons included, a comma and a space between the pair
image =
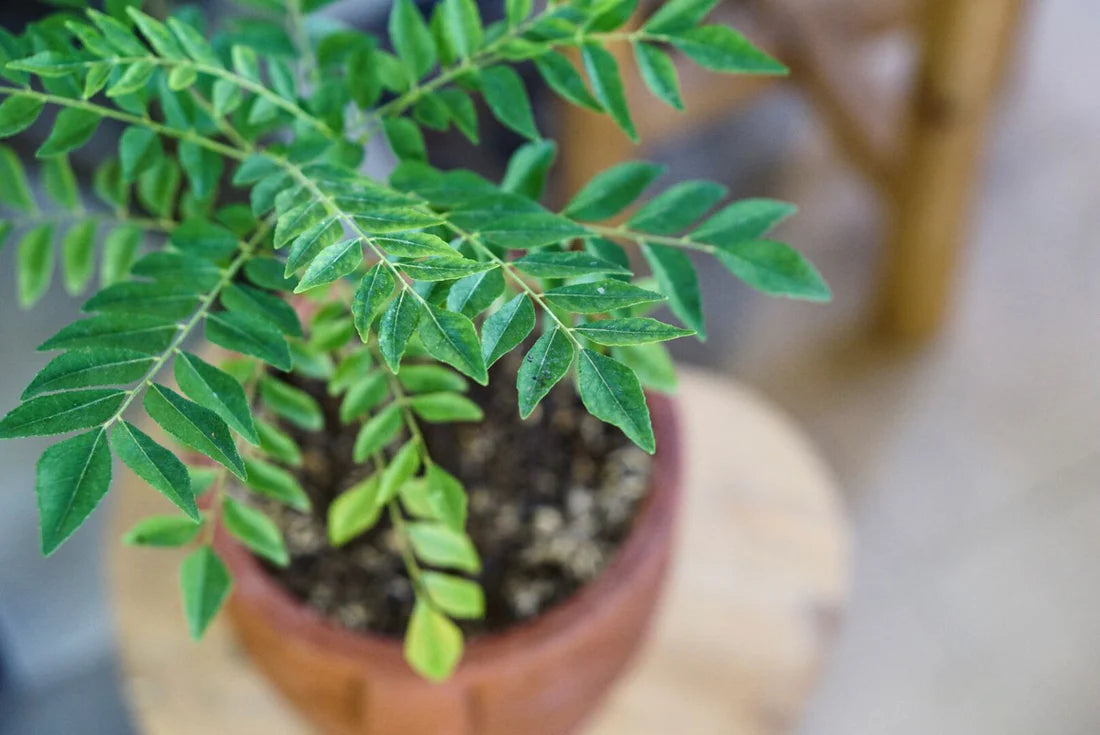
x: 759, y: 585
x: 920, y: 152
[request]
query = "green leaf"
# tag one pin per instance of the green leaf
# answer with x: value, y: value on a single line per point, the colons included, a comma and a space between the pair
x: 203, y: 168
x: 376, y: 433
x: 506, y: 327
x: 677, y: 279
x: 364, y: 395
x: 194, y: 426
x: 613, y: 190
x: 249, y: 335
x: 611, y: 392
x: 98, y: 75
x: 246, y: 63
x: 134, y: 79
x: 444, y: 268
x: 278, y: 444
x: 474, y: 294
x: 138, y: 151
x: 156, y: 34
x: 173, y: 302
x: 162, y: 532
x: 775, y: 269
x: 59, y: 413
x: 405, y: 139
x: 78, y: 255
x: 603, y: 72
x: 517, y: 10
x: 720, y: 48
x: 158, y: 187
x: 248, y: 300
x: 146, y: 334
x: 202, y: 478
x: 521, y: 231
x: 205, y: 585
x: 461, y: 110
x: 202, y: 239
x: 255, y: 530
x: 88, y: 368
x: 445, y: 407
x: 226, y: 97
x: 399, y: 471
x: 332, y: 263
x: 570, y: 264
x: 599, y: 296
x: 354, y: 511
x: 194, y: 43
x: 18, y: 113
x: 451, y: 337
x: 433, y: 644
x: 217, y: 390
x: 35, y: 265
x: 440, y: 545
x: 156, y: 465
x: 411, y: 39
x: 453, y: 595
x: 430, y: 378
x: 678, y: 207
x: 181, y: 78
x: 268, y: 273
x: 72, y: 477
x: 678, y: 15
x: 60, y: 182
x: 72, y: 129
x: 275, y: 483
x: 307, y: 246
x: 371, y: 296
x: 505, y: 94
x: 651, y: 363
x: 293, y: 404
x: 562, y: 77
x: 120, y: 248
x: 528, y: 168
x: 630, y: 331
x: 748, y: 219
x: 297, y: 220
x: 168, y: 267
x: 543, y: 366
x: 397, y: 326
x: 659, y: 74
x: 446, y: 496
x: 415, y: 245
x: 462, y: 26
x: 14, y: 190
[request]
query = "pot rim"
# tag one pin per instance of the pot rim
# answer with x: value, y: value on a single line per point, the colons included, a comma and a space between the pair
x: 255, y: 587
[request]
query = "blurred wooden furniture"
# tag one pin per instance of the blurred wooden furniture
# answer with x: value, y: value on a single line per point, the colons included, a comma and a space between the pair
x: 919, y: 146
x: 757, y: 591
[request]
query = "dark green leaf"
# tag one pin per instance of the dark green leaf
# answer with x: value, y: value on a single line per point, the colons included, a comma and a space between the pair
x: 774, y: 268
x: 332, y: 263
x: 603, y: 72
x: 720, y: 48
x: 249, y: 300
x: 205, y: 585
x: 563, y: 78
x: 18, y: 113
x: 156, y: 465
x: 72, y: 129
x: 249, y: 335
x: 678, y: 207
x: 217, y: 390
x: 146, y: 334
x: 172, y: 302
x: 59, y: 413
x: 748, y: 219
x: 255, y: 530
x: 194, y: 426
x: 371, y: 296
x: 35, y: 265
x: 613, y: 190
x: 203, y: 239
x: 599, y: 296
x: 72, y: 477
x: 474, y: 294
x: 506, y: 327
x: 611, y: 392
x: 659, y: 74
x: 268, y: 273
x: 570, y: 264
x: 630, y: 331
x: 397, y: 326
x: 677, y: 279
x: 88, y: 368
x: 543, y: 366
x: 451, y: 337
x: 78, y: 255
x: 507, y: 98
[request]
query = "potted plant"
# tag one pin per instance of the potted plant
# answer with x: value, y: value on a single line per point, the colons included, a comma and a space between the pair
x: 337, y: 469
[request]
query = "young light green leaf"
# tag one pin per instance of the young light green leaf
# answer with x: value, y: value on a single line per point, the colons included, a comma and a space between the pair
x: 293, y: 404
x: 677, y: 279
x: 72, y: 129
x: 599, y: 296
x: 59, y: 413
x: 162, y: 532
x: 507, y: 98
x: 275, y: 483
x: 332, y: 263
x: 569, y: 264
x: 603, y: 72
x: 364, y: 395
x: 377, y: 432
x: 18, y: 113
x: 612, y: 190
x: 217, y: 390
x: 278, y: 445
x: 399, y: 471
x: 354, y: 511
x: 611, y: 392
x: 194, y: 426
x: 517, y: 10
x: 430, y: 378
x: 659, y: 74
x: 461, y: 598
x: 255, y: 530
x: 446, y: 496
x: 543, y: 366
x: 35, y: 263
x: 89, y: 368
x: 445, y: 407
x: 630, y: 331
x: 249, y: 335
x: 397, y: 326
x: 721, y: 48
x: 78, y: 256
x: 506, y: 327
x: 440, y: 545
x: 433, y: 644
x: 156, y: 465
x: 451, y: 337
x: 774, y: 268
x: 72, y: 477
x: 205, y: 585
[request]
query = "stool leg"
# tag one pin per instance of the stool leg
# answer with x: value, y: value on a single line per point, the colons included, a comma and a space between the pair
x: 965, y: 47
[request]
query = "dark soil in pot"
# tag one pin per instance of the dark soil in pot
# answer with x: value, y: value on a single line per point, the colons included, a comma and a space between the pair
x: 550, y: 500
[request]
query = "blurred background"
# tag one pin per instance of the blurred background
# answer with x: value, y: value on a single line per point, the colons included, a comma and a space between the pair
x: 944, y: 156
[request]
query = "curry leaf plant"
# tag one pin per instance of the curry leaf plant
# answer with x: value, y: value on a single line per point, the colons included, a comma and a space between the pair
x: 234, y: 182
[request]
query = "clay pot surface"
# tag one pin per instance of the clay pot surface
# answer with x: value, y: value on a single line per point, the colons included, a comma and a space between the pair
x: 541, y: 677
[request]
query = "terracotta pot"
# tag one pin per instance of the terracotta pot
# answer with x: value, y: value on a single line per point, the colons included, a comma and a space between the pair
x: 542, y: 677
